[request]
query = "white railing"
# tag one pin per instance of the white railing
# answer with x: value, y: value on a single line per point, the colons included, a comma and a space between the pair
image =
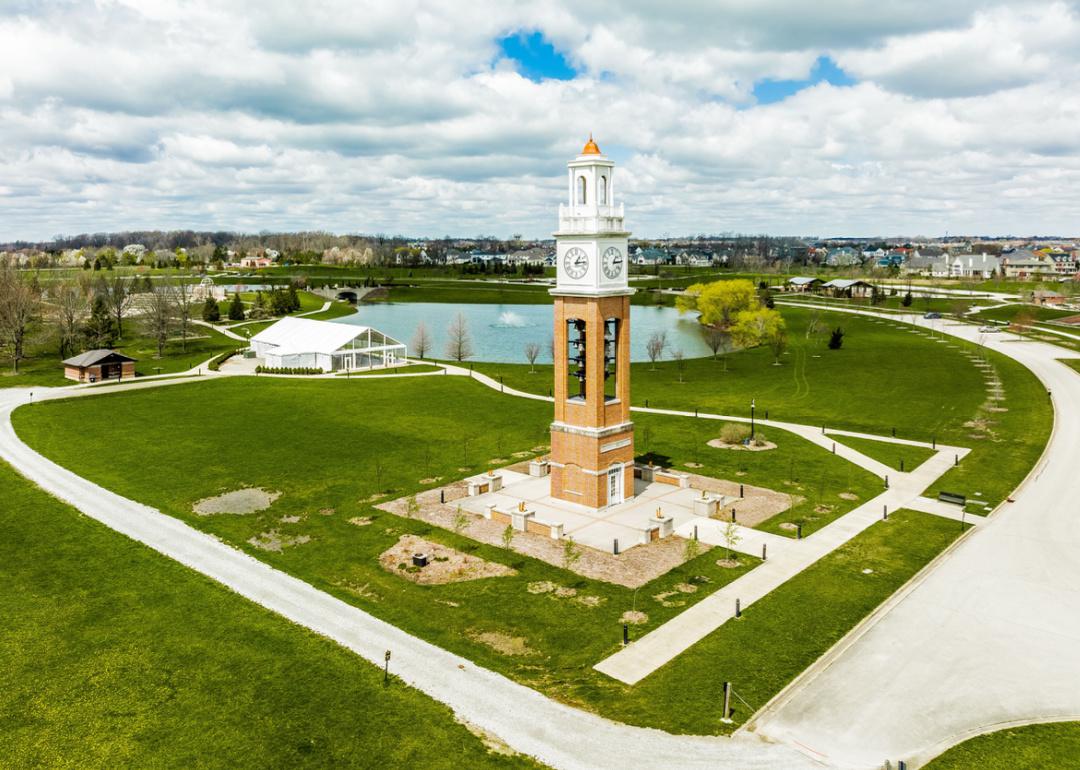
x: 566, y: 211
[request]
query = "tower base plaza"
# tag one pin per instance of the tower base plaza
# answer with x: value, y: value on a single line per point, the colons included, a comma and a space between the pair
x: 656, y: 509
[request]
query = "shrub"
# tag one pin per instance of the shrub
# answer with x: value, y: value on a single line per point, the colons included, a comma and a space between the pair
x: 287, y: 370
x: 836, y: 338
x: 216, y: 363
x: 211, y: 313
x: 734, y: 433
x: 236, y: 308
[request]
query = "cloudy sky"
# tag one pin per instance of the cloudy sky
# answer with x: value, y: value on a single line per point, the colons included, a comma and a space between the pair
x: 427, y: 118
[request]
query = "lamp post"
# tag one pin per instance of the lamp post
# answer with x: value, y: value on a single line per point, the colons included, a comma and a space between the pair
x: 753, y: 405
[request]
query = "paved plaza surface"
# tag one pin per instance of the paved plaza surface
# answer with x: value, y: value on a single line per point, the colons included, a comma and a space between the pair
x: 598, y: 529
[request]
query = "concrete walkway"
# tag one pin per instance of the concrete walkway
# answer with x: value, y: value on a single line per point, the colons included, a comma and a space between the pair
x: 786, y: 559
x: 987, y: 638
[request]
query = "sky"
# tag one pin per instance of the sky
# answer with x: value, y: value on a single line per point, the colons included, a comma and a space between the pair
x: 426, y: 118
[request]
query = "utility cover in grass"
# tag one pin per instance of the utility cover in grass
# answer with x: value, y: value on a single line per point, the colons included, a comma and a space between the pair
x: 239, y: 501
x: 445, y: 565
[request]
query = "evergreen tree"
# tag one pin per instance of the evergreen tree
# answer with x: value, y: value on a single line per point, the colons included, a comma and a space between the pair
x: 100, y: 329
x: 294, y: 299
x: 236, y: 308
x: 836, y: 338
x: 211, y: 312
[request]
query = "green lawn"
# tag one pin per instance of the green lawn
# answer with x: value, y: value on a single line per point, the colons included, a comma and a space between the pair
x: 887, y: 453
x: 45, y: 369
x: 1033, y: 747
x: 474, y: 292
x: 880, y: 379
x: 115, y: 656
x: 796, y: 467
x: 336, y: 310
x: 783, y: 633
x: 885, y: 376
x: 330, y: 445
x: 408, y: 369
x: 1009, y: 312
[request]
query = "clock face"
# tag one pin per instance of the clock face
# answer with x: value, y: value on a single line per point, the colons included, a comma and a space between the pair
x: 576, y: 263
x: 613, y: 263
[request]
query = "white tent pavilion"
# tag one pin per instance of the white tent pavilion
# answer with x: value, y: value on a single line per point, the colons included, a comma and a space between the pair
x: 295, y: 343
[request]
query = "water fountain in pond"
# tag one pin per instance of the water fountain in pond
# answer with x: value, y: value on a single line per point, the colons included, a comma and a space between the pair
x: 510, y: 319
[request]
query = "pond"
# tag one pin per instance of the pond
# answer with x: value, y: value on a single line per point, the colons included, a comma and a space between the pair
x: 499, y: 333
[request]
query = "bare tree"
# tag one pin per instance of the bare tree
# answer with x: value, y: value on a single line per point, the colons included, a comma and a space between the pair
x: 459, y: 344
x: 680, y: 362
x: 158, y: 318
x: 70, y: 305
x: 655, y: 347
x: 118, y: 295
x: 19, y: 305
x: 183, y: 299
x: 532, y: 352
x: 421, y: 341
x: 551, y: 349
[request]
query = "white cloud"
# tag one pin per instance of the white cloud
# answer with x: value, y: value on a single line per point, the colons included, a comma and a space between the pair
x: 398, y: 117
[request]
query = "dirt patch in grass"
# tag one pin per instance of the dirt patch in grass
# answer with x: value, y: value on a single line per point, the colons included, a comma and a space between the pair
x: 291, y: 519
x: 848, y: 496
x: 632, y: 568
x: 276, y: 541
x: 541, y: 587
x: 634, y: 618
x: 432, y: 480
x: 503, y: 644
x: 665, y: 599
x: 445, y: 565
x: 361, y: 521
x: 762, y: 446
x: 326, y: 511
x: 239, y: 501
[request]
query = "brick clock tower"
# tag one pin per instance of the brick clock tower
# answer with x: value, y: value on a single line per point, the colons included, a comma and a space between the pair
x: 592, y: 438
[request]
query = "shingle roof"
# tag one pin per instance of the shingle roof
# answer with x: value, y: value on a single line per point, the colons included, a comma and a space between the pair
x: 91, y: 357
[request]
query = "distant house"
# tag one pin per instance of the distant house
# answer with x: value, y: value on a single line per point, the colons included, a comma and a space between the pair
x: 1041, y: 297
x: 256, y: 262
x: 303, y: 343
x: 981, y: 266
x: 651, y: 256
x: 803, y: 283
x: 847, y: 287
x: 99, y: 366
x: 845, y: 256
x: 1025, y: 264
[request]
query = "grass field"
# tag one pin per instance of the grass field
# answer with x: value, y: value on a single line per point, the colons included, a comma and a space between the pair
x: 783, y: 633
x: 1033, y: 747
x: 408, y: 369
x: 1009, y: 312
x: 875, y: 382
x: 45, y: 369
x: 893, y: 455
x: 115, y: 656
x: 292, y: 448
x: 796, y: 467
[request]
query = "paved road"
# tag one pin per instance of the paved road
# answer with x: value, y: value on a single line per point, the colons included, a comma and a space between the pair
x: 989, y: 637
